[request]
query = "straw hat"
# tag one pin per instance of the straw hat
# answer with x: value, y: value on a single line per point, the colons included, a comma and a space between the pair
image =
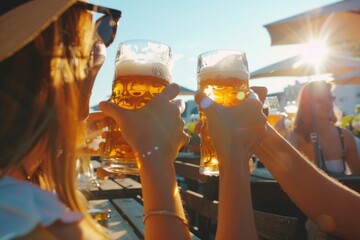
x: 22, y: 23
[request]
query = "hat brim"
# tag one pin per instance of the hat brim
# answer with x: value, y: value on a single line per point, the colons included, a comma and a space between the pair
x: 24, y: 23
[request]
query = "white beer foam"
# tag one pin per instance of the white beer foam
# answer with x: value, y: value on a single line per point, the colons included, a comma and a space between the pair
x: 225, y: 68
x: 144, y: 68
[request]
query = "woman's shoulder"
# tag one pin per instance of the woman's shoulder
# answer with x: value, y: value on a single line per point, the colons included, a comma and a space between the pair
x: 23, y: 206
x: 345, y: 131
x: 347, y: 134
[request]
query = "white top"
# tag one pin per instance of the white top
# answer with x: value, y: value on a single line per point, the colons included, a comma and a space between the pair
x: 23, y: 206
x: 336, y: 166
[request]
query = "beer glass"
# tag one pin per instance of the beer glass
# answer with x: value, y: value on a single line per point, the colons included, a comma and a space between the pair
x: 142, y: 70
x: 291, y: 109
x: 224, y: 76
x: 272, y: 106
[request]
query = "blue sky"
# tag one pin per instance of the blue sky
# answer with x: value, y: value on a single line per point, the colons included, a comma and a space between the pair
x: 191, y: 27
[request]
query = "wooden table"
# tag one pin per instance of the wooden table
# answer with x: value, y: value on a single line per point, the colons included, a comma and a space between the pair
x: 115, y: 188
x: 123, y: 197
x: 125, y: 220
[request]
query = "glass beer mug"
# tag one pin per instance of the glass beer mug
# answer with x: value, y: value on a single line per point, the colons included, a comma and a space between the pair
x: 224, y: 76
x: 142, y: 70
x: 272, y: 106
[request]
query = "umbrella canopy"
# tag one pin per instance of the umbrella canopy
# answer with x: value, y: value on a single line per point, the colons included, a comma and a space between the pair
x: 334, y: 63
x: 334, y: 23
x: 186, y: 91
x: 348, y: 78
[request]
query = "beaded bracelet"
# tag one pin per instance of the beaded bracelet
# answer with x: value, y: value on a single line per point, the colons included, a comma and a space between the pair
x: 164, y: 213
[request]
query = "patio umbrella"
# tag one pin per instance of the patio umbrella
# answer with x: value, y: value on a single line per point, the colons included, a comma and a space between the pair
x: 348, y: 78
x: 334, y: 63
x: 186, y: 91
x: 334, y: 23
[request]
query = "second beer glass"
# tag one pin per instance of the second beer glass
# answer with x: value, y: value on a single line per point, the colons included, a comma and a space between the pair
x: 224, y: 76
x: 142, y: 70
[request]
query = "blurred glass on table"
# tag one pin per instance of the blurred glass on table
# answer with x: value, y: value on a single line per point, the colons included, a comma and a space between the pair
x: 291, y: 109
x: 85, y: 174
x: 272, y: 107
x: 90, y: 144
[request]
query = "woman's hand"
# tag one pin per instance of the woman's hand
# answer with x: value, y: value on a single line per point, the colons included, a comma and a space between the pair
x: 234, y: 130
x: 156, y: 127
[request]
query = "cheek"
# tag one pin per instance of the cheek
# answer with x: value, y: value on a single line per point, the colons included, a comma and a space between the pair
x: 99, y: 51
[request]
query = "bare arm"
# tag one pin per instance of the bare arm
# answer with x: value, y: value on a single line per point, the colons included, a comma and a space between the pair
x: 235, y: 217
x: 156, y: 133
x: 332, y: 205
x: 234, y: 145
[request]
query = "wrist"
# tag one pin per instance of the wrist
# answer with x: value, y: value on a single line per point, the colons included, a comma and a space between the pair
x: 154, y: 162
x: 268, y: 143
x: 159, y: 185
x: 236, y: 163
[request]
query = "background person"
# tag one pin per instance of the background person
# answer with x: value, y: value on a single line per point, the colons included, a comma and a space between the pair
x: 337, y: 148
x: 330, y: 204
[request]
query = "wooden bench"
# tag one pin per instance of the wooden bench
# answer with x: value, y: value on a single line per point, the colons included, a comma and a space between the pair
x: 202, y: 206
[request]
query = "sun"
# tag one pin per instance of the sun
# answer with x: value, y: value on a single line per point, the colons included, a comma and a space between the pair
x: 314, y: 52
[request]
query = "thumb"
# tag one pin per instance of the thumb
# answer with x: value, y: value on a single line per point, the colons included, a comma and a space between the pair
x: 261, y: 92
x: 203, y: 101
x: 169, y: 92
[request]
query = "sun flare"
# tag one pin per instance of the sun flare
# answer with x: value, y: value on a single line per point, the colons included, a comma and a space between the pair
x: 314, y: 52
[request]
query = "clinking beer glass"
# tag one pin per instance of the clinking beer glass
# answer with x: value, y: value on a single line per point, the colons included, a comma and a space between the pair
x: 222, y: 75
x: 142, y: 70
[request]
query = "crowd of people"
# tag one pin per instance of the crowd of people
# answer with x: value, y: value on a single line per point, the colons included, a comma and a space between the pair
x: 56, y: 44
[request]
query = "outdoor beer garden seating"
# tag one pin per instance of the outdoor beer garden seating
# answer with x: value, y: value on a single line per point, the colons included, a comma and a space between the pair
x: 123, y: 197
x: 276, y: 217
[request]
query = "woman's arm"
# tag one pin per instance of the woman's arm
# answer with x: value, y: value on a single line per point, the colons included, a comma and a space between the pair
x: 332, y: 205
x: 156, y: 132
x: 235, y: 132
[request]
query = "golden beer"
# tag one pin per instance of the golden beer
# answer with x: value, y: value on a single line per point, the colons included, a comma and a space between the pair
x: 223, y: 76
x: 133, y: 92
x: 228, y: 92
x: 272, y: 107
x: 136, y: 82
x: 273, y: 118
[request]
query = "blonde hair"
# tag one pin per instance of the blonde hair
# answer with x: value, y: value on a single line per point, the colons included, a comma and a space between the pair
x: 40, y: 94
